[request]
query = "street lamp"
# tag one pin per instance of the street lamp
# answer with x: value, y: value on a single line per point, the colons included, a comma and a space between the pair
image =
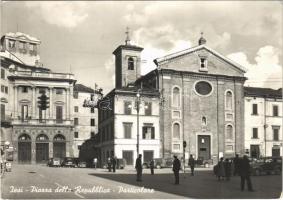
x: 138, y: 112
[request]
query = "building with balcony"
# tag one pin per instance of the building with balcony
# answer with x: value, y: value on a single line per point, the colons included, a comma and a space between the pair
x: 35, y: 135
x: 263, y: 122
x: 85, y: 118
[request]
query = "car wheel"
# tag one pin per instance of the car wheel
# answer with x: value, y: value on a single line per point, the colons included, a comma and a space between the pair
x: 257, y: 172
x: 158, y: 167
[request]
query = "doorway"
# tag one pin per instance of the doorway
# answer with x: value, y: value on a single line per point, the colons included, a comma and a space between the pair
x: 204, y: 147
x: 128, y: 156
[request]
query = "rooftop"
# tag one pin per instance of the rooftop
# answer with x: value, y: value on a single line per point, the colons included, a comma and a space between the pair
x: 262, y: 92
x: 83, y: 88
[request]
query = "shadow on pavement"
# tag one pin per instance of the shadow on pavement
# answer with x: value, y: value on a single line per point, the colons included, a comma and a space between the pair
x: 204, y: 185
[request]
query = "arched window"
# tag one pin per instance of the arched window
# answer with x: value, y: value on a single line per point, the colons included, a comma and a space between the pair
x: 176, y: 97
x: 59, y: 137
x: 203, y: 121
x: 176, y: 131
x: 229, y: 100
x: 131, y: 64
x: 24, y: 137
x: 229, y: 132
x: 41, y: 137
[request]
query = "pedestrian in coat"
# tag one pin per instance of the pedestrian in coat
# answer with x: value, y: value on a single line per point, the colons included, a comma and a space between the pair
x: 236, y: 163
x: 227, y: 167
x: 109, y: 164
x: 151, y: 165
x: 220, y: 170
x: 176, y: 169
x: 139, y: 168
x: 114, y: 163
x: 244, y: 170
x: 192, y: 164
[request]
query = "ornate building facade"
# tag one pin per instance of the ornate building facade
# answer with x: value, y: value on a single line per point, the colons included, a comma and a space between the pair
x: 35, y: 135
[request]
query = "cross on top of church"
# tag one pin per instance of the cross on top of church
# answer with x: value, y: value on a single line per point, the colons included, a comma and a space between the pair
x: 202, y: 40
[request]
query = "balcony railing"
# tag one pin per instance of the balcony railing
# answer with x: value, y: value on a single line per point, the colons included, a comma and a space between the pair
x: 29, y: 121
x: 44, y: 75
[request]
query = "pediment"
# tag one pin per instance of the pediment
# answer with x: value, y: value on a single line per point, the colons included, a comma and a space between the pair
x: 190, y: 60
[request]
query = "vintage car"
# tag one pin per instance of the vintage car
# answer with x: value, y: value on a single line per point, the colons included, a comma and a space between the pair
x: 267, y: 165
x: 54, y: 162
x: 68, y: 162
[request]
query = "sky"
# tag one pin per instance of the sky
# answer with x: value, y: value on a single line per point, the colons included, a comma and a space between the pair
x: 79, y: 37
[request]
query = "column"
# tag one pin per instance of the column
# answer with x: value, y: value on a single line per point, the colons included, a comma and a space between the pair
x: 34, y: 102
x: 67, y: 103
x: 33, y: 152
x: 50, y: 147
x: 16, y: 114
x: 51, y: 103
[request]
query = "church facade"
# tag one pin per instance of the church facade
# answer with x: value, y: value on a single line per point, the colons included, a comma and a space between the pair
x: 202, y: 103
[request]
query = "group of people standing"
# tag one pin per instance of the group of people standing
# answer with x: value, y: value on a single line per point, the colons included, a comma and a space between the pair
x: 111, y: 164
x: 176, y: 167
x: 238, y: 166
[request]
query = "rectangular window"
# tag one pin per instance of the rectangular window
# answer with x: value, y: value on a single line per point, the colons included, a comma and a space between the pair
x: 21, y: 45
x: 76, y: 109
x: 92, y: 134
x: 2, y: 73
x: 275, y: 110
x: 76, y: 121
x: 203, y: 63
x: 91, y: 110
x: 2, y: 112
x: 255, y: 133
x: 128, y: 130
x: 59, y: 114
x: 2, y: 88
x: 176, y: 147
x: 76, y: 95
x: 32, y: 47
x: 148, y: 108
x: 24, y: 112
x: 25, y: 89
x: 276, y: 134
x: 76, y: 134
x: 92, y: 122
x: 59, y: 91
x: 148, y: 132
x: 254, y: 111
x: 6, y: 89
x: 127, y: 107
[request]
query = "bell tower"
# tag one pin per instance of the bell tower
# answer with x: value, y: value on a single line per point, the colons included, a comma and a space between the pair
x: 127, y: 63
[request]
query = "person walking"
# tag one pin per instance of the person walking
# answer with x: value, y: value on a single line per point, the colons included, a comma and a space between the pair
x: 95, y: 163
x: 151, y: 165
x: 220, y: 170
x: 192, y: 164
x: 236, y: 163
x: 227, y: 168
x: 114, y: 163
x: 109, y: 164
x: 176, y: 169
x: 139, y: 168
x: 244, y: 170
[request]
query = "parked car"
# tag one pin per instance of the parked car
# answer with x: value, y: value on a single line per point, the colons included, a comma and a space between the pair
x: 120, y: 164
x: 163, y: 163
x: 267, y: 165
x: 81, y: 164
x: 54, y: 162
x: 68, y: 162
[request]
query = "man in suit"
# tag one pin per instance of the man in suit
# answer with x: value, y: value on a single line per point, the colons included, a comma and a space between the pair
x: 176, y: 169
x: 245, y: 173
x: 139, y: 168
